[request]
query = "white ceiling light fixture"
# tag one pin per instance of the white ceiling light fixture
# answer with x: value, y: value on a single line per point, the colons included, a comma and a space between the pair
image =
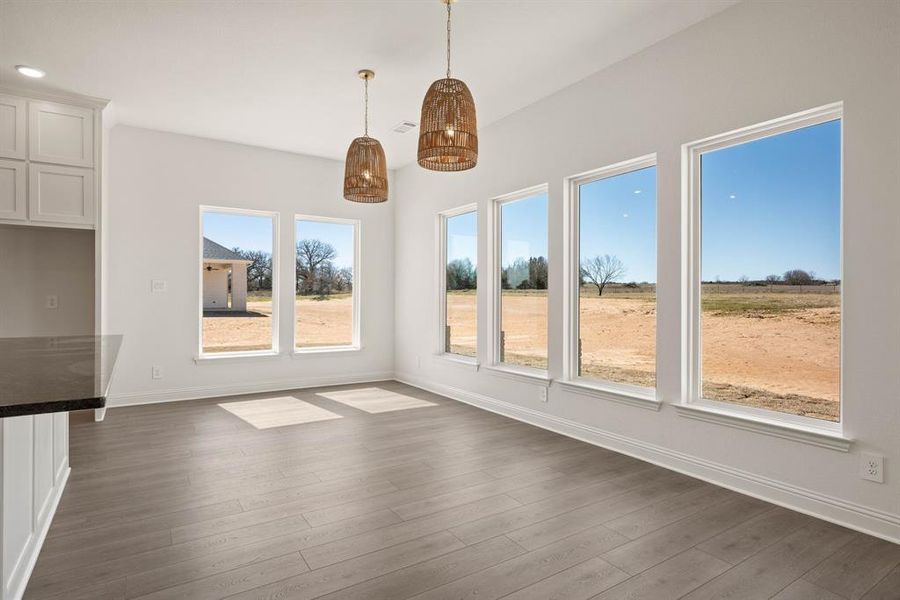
x: 32, y: 72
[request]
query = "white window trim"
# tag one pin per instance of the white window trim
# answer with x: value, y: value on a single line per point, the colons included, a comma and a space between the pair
x: 356, y: 345
x: 441, y: 284
x: 276, y: 230
x: 492, y: 283
x: 643, y: 397
x: 693, y: 405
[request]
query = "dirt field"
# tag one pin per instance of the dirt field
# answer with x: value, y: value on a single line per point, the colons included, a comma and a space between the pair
x: 773, y: 348
x: 319, y: 323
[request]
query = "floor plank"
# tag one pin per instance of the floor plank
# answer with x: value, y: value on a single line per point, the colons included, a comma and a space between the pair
x: 185, y: 500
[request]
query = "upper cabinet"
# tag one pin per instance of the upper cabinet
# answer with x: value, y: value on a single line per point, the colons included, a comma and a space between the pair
x: 49, y: 160
x: 12, y: 127
x: 61, y: 134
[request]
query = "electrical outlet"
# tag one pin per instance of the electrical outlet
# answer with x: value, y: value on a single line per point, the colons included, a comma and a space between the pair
x: 158, y: 286
x: 871, y: 467
x: 52, y: 301
x: 156, y: 372
x: 543, y: 393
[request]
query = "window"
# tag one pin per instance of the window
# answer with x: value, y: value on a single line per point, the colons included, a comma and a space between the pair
x: 522, y: 276
x: 766, y: 266
x: 326, y: 284
x: 238, y: 282
x: 459, y: 263
x: 615, y: 274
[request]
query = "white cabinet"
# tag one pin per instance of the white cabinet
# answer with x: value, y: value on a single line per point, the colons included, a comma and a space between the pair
x: 49, y: 160
x: 61, y: 134
x: 60, y: 194
x: 12, y: 190
x: 12, y: 127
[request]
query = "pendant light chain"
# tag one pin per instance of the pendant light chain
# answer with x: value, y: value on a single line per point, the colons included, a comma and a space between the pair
x: 448, y: 40
x: 366, y: 82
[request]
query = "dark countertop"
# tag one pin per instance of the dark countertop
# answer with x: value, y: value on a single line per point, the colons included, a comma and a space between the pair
x: 55, y: 374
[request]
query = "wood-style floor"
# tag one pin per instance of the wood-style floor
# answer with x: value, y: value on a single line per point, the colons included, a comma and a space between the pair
x: 186, y: 500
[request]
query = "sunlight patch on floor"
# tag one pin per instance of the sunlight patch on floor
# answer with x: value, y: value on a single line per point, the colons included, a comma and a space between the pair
x: 266, y: 413
x: 375, y: 400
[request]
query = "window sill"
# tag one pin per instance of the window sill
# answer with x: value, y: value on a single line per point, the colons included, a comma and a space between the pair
x: 731, y: 418
x: 458, y: 360
x: 523, y: 374
x: 234, y: 357
x: 299, y: 352
x: 634, y: 397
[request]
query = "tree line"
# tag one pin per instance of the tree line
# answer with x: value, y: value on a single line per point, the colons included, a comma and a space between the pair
x: 316, y: 273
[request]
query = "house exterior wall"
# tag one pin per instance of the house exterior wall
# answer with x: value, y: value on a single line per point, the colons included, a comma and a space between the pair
x: 215, y: 288
x: 239, y: 287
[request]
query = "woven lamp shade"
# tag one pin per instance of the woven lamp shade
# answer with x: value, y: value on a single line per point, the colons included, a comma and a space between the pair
x: 365, y: 171
x: 449, y: 134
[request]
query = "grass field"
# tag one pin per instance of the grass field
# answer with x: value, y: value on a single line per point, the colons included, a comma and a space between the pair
x: 772, y: 347
x: 318, y: 323
x: 775, y: 347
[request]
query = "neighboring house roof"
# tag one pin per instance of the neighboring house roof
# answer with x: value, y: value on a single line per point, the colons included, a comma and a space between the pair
x: 214, y: 251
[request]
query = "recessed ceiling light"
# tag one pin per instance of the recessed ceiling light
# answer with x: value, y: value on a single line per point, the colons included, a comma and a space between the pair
x: 32, y: 72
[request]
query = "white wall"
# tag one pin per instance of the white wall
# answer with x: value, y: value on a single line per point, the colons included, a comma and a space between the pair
x: 749, y: 64
x: 156, y: 183
x: 39, y: 261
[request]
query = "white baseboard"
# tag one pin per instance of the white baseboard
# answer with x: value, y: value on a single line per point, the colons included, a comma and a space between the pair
x: 848, y: 514
x: 22, y: 571
x: 218, y: 391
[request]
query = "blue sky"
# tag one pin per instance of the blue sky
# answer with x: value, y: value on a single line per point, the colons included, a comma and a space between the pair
x: 244, y: 231
x: 255, y: 233
x: 339, y: 235
x: 767, y: 206
x: 618, y: 217
x: 773, y: 204
x: 523, y: 226
x: 462, y: 237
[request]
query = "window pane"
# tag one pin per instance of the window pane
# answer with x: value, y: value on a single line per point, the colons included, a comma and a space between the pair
x: 617, y: 299
x: 237, y: 282
x: 523, y: 280
x: 462, y: 261
x: 771, y: 307
x: 324, y: 284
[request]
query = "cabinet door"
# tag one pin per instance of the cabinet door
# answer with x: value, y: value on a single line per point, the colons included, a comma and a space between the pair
x: 12, y: 127
x: 61, y: 134
x: 61, y: 194
x: 12, y: 189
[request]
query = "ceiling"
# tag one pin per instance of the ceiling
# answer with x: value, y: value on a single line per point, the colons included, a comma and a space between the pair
x: 282, y: 74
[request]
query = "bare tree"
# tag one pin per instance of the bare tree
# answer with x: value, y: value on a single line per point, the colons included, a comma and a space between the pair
x: 602, y: 270
x: 773, y: 278
x: 311, y: 255
x: 798, y: 277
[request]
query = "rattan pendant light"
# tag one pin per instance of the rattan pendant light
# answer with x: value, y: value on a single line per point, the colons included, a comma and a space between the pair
x: 448, y: 139
x: 365, y: 171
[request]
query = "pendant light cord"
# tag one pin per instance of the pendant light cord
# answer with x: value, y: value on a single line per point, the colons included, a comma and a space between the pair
x: 448, y: 40
x: 366, y: 82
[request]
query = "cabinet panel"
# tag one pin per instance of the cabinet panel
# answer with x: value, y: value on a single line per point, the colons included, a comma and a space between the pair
x: 61, y: 134
x: 12, y: 189
x: 12, y: 127
x: 61, y: 194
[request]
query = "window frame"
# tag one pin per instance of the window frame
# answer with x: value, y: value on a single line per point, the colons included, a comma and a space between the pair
x: 441, y: 272
x: 275, y: 349
x: 356, y: 345
x: 495, y: 245
x: 691, y: 397
x: 628, y: 393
